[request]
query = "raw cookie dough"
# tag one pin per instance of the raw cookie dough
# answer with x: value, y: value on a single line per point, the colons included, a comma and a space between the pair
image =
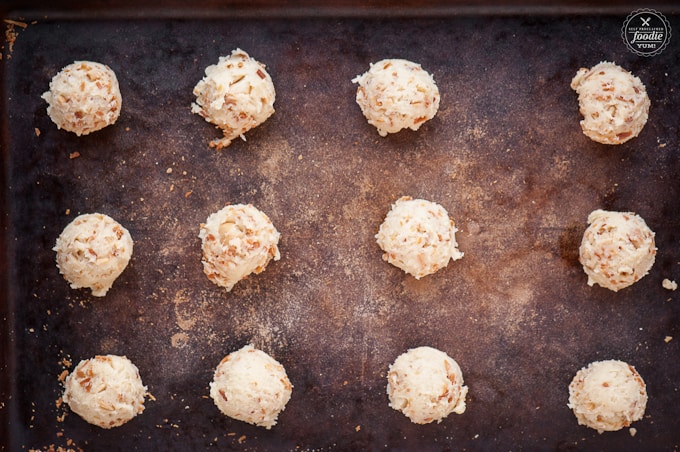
x: 426, y: 385
x: 92, y: 251
x: 236, y: 95
x: 613, y: 102
x: 237, y: 240
x: 418, y: 237
x: 84, y: 97
x: 251, y: 386
x: 607, y: 395
x: 106, y: 390
x: 397, y: 94
x: 617, y: 249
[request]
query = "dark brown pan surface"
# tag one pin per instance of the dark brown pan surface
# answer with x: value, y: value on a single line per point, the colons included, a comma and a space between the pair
x: 505, y: 156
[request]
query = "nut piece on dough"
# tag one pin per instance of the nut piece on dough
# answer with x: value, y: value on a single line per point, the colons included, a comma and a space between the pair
x: 418, y: 237
x: 251, y: 386
x: 92, y: 251
x: 237, y: 241
x: 397, y: 94
x: 617, y: 249
x: 426, y: 385
x: 84, y: 97
x: 613, y: 102
x: 236, y: 95
x: 106, y: 390
x: 607, y: 395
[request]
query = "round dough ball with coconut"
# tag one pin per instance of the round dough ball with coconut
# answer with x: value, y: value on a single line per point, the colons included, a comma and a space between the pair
x: 84, y: 97
x: 396, y: 94
x: 418, y: 237
x: 92, y: 251
x: 607, y: 395
x: 236, y: 95
x: 251, y: 386
x: 106, y: 391
x: 426, y: 385
x: 613, y: 102
x: 617, y: 249
x: 237, y: 240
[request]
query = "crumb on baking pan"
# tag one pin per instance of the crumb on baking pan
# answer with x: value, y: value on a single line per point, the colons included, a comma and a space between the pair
x: 668, y: 284
x: 11, y: 34
x: 70, y: 447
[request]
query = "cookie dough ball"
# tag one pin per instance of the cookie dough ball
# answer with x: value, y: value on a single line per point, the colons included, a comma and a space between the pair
x: 607, y: 395
x: 251, y: 386
x: 426, y: 385
x: 236, y: 95
x: 92, y: 251
x: 84, y: 97
x: 397, y: 94
x: 613, y: 102
x: 617, y: 249
x: 237, y: 241
x: 418, y: 237
x: 106, y: 391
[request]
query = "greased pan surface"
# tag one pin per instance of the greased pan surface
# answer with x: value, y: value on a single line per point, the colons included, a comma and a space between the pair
x: 505, y: 156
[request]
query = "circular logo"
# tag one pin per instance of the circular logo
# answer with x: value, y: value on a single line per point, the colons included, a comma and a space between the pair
x: 646, y: 32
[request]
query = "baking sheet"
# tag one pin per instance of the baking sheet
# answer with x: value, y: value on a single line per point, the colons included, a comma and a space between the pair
x: 505, y: 156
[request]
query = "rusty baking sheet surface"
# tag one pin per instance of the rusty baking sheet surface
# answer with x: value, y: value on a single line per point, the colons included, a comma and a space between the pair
x: 505, y: 156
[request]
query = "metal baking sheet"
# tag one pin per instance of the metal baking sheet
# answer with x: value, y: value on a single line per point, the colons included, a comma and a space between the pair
x: 505, y: 156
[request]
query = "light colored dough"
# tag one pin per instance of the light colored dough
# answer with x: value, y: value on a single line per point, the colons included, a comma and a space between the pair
x: 607, y: 395
x: 84, y: 97
x: 106, y: 391
x: 251, y: 386
x: 617, y: 249
x: 426, y: 385
x: 237, y: 240
x: 613, y: 102
x: 418, y: 237
x: 397, y: 94
x: 236, y: 95
x: 92, y: 251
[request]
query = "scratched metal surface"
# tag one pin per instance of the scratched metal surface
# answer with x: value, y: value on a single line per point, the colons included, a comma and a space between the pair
x: 505, y: 156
